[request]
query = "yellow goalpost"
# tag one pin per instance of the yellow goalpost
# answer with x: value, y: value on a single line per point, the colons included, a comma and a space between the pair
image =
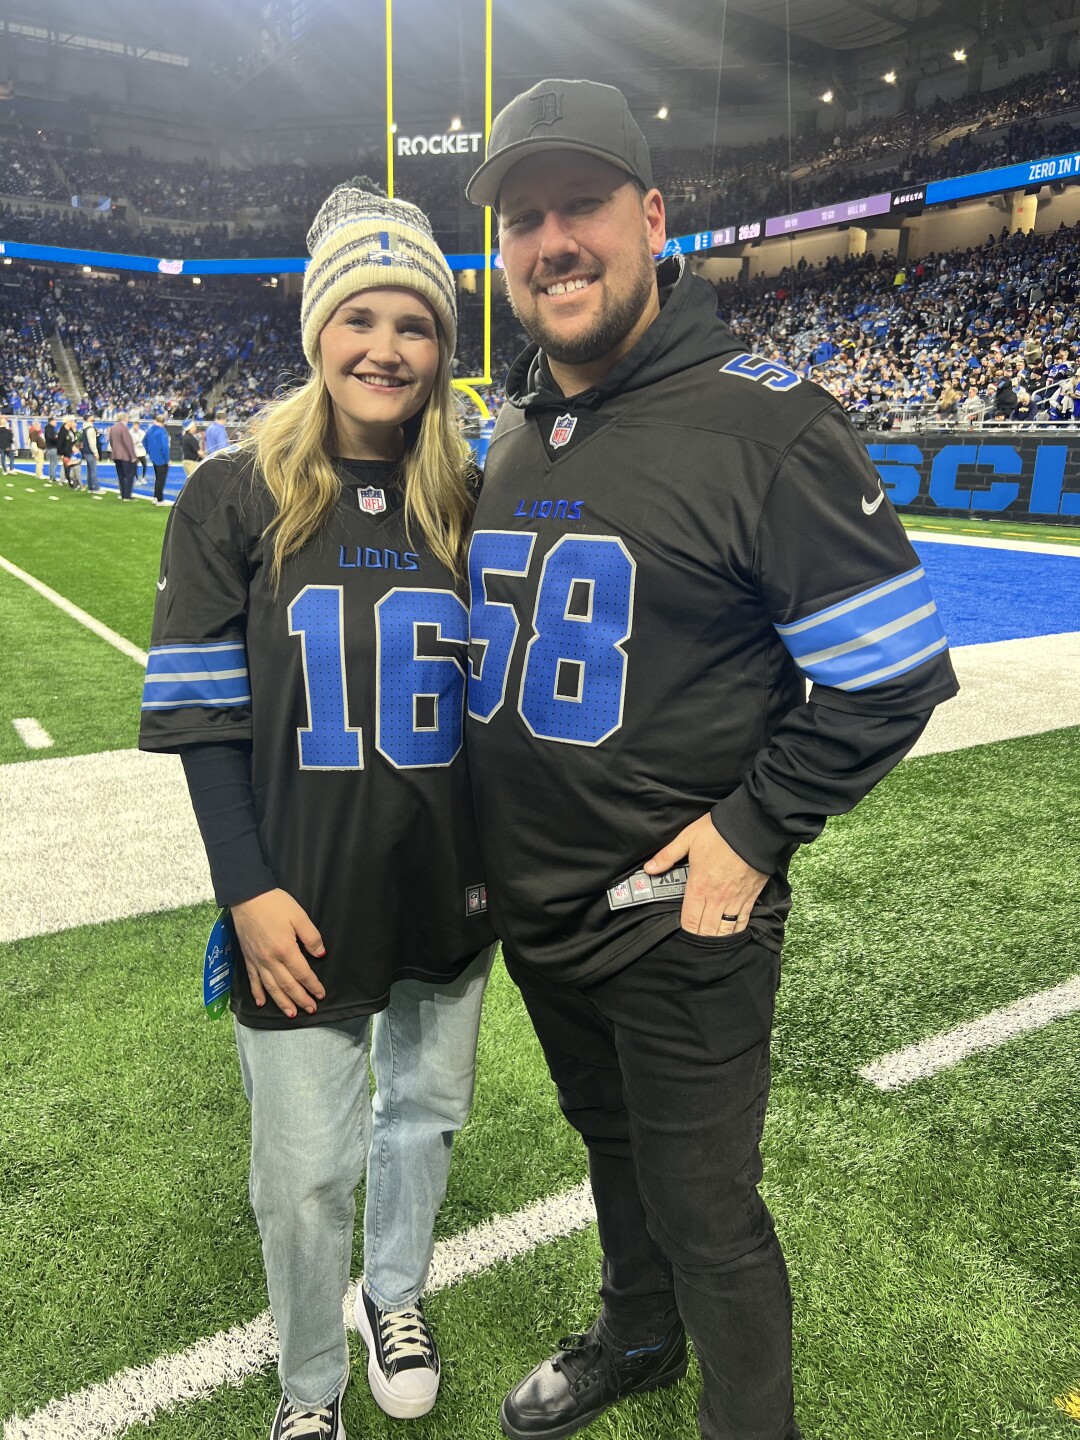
x: 466, y: 384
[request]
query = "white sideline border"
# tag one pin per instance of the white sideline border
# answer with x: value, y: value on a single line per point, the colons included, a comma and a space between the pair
x: 136, y: 1396
x: 992, y: 542
x: 941, y: 1052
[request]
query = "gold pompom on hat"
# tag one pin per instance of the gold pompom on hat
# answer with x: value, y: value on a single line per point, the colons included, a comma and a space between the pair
x: 361, y: 239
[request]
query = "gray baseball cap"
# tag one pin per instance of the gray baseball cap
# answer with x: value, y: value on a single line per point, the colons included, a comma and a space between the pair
x: 562, y: 115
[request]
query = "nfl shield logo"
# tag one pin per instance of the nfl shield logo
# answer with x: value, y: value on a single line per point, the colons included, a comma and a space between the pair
x: 372, y: 500
x: 562, y: 430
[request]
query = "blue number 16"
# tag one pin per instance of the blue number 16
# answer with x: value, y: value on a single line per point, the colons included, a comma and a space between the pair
x: 419, y: 697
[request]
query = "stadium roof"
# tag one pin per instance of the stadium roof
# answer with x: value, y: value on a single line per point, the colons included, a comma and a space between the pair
x: 316, y: 61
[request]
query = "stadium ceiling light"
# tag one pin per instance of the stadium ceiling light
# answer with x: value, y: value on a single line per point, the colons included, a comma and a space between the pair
x: 827, y: 98
x: 959, y: 56
x: 889, y: 77
x: 662, y: 113
x: 455, y: 123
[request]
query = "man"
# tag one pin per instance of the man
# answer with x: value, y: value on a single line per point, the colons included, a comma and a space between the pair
x: 7, y: 448
x: 191, y: 448
x: 672, y: 533
x: 122, y: 450
x: 91, y: 449
x: 37, y: 447
x: 973, y: 410
x: 52, y: 459
x: 158, y: 448
x: 217, y: 437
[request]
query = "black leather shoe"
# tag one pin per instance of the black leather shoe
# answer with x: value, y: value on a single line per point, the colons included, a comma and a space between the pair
x: 579, y: 1383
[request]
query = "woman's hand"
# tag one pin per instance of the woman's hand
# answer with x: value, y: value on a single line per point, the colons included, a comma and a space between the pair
x: 268, y: 927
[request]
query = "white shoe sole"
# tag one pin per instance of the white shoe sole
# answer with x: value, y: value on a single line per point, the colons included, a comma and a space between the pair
x: 399, y: 1407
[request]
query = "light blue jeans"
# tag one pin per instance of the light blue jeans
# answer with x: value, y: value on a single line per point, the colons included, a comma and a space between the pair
x: 312, y: 1127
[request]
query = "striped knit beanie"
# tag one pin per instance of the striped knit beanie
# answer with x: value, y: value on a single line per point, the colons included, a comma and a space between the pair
x: 360, y: 239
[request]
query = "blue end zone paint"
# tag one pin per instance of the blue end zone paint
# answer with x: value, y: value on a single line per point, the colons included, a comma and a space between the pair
x: 982, y: 594
x: 985, y: 594
x: 106, y: 476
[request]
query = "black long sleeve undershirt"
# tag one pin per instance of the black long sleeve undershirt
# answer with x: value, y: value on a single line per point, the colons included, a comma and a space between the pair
x: 219, y: 783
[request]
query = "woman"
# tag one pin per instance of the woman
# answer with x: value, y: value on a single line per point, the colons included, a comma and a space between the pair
x: 948, y: 403
x: 67, y: 448
x: 308, y: 662
x: 138, y: 439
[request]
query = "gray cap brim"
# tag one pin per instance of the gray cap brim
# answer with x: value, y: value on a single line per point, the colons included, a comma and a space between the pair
x: 484, y: 187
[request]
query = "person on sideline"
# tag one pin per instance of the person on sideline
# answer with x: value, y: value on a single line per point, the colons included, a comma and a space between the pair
x: 67, y: 447
x: 138, y: 439
x: 90, y: 445
x: 673, y: 535
x: 52, y: 459
x: 308, y: 663
x: 122, y: 450
x: 216, y: 437
x: 7, y: 447
x: 37, y: 447
x: 158, y: 446
x: 191, y: 448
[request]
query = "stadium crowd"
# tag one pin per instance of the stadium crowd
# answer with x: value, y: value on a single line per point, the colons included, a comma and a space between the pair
x: 265, y: 210
x: 955, y: 337
x: 988, y: 332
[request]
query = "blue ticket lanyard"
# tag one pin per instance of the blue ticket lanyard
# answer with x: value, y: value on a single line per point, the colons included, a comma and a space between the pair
x: 218, y: 965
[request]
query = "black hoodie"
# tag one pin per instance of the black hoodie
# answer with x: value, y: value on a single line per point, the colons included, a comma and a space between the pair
x: 646, y: 559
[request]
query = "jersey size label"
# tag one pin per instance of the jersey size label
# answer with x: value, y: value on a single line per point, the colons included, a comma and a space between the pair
x: 219, y: 964
x: 642, y: 889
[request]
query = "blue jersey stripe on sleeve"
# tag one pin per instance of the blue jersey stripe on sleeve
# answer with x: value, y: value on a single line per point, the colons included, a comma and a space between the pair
x: 191, y: 704
x: 196, y: 659
x: 163, y: 692
x: 870, y: 637
x: 898, y: 667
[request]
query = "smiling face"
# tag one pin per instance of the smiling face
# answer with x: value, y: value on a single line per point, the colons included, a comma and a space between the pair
x: 380, y: 356
x: 577, y: 242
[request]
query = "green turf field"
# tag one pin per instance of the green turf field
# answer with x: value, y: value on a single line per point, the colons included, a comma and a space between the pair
x: 931, y: 1232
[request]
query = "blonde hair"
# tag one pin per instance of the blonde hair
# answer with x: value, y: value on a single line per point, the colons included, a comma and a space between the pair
x: 292, y: 444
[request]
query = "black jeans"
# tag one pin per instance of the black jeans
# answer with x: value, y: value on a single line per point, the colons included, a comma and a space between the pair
x: 125, y: 477
x: 161, y: 474
x: 663, y: 1068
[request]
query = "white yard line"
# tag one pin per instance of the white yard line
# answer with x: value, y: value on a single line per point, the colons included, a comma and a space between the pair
x: 102, y: 631
x: 941, y: 1052
x: 137, y: 1395
x: 32, y: 733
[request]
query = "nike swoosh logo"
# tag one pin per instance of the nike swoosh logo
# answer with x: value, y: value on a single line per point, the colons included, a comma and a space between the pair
x: 869, y: 506
x: 162, y: 583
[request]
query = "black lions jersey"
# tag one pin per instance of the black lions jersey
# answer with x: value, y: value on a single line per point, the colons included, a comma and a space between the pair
x: 349, y: 683
x: 657, y: 568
